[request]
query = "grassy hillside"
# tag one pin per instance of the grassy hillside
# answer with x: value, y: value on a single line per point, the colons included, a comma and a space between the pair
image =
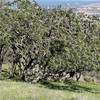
x: 49, y: 91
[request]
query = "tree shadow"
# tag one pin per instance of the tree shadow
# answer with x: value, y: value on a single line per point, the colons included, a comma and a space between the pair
x: 71, y: 87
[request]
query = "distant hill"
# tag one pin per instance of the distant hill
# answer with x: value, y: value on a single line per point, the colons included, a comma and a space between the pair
x: 90, y: 9
x: 93, y: 5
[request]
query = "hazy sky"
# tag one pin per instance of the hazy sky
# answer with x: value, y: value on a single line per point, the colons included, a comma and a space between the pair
x: 69, y: 0
x: 64, y: 3
x: 62, y: 0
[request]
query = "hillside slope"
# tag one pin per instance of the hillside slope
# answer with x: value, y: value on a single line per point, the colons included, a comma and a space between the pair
x: 22, y: 91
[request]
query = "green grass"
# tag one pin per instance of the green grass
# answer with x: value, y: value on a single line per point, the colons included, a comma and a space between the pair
x: 10, y: 90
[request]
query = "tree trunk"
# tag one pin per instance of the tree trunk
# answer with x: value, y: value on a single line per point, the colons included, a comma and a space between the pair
x: 29, y: 65
x: 1, y: 58
x: 78, y: 76
x: 12, y: 70
x: 0, y: 66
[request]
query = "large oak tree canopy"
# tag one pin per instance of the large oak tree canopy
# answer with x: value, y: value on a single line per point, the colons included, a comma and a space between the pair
x: 42, y: 43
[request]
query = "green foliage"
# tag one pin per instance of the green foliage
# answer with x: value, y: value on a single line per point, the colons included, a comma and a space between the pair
x: 44, y: 42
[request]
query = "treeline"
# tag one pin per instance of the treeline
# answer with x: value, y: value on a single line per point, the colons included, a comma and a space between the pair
x: 47, y: 44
